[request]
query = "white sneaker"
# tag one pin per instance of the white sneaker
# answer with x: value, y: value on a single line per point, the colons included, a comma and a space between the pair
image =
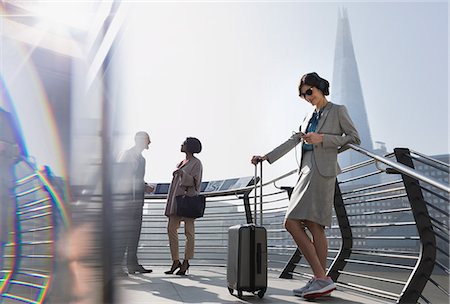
x: 299, y: 291
x: 319, y: 288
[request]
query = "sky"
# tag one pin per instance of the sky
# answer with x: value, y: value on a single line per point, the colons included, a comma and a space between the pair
x: 227, y: 73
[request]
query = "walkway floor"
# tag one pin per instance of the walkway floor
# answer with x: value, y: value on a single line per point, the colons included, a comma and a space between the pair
x: 209, y: 285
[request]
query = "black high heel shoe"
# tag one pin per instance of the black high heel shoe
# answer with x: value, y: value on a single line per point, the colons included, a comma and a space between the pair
x: 183, y: 268
x: 175, y: 266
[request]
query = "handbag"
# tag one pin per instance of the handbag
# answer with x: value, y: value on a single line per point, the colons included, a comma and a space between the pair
x: 190, y: 206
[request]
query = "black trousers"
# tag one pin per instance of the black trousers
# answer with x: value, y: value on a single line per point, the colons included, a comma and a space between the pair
x: 134, y: 234
x: 127, y: 230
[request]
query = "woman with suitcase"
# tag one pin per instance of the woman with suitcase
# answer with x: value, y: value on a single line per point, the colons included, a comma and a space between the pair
x: 322, y: 133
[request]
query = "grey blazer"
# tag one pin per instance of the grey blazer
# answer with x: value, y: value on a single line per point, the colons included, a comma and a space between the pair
x: 338, y: 130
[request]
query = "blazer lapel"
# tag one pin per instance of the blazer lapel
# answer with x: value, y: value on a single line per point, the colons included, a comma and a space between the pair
x: 324, y: 115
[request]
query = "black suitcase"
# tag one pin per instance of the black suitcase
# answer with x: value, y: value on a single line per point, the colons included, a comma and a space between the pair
x: 247, y: 256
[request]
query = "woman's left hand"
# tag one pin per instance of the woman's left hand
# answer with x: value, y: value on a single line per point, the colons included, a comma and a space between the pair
x: 313, y: 138
x: 178, y: 172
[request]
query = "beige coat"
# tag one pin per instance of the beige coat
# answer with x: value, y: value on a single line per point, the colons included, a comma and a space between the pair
x: 189, y: 182
x: 338, y: 130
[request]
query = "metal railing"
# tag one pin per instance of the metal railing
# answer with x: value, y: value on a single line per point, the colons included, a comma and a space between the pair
x: 389, y: 235
x: 29, y: 252
x: 381, y: 240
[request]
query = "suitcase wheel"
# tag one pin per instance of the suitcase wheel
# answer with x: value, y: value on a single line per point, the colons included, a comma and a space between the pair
x: 261, y: 293
x: 239, y: 294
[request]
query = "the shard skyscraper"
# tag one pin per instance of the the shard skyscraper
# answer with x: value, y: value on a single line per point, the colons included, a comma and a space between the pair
x: 346, y: 89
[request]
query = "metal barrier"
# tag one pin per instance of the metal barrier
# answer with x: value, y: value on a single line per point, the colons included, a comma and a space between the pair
x: 381, y: 238
x: 35, y: 214
x: 396, y: 250
x: 389, y: 236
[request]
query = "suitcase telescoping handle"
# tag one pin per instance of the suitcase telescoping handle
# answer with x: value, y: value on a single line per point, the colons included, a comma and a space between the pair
x: 258, y: 184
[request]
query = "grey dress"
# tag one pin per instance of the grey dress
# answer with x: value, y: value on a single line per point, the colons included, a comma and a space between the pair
x: 312, y: 197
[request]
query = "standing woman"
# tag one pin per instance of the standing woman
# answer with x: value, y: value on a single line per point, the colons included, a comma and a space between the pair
x: 187, y: 179
x: 322, y: 134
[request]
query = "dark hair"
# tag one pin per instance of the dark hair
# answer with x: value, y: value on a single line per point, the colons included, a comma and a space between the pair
x: 193, y: 145
x: 314, y: 80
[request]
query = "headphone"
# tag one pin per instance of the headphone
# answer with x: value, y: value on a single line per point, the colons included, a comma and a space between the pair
x: 314, y: 79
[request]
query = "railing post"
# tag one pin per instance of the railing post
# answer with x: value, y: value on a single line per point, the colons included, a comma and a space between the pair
x: 290, y: 266
x: 295, y: 258
x: 424, y: 266
x: 248, y: 212
x: 339, y: 261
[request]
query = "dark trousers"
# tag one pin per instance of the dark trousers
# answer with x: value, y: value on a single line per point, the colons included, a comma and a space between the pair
x: 134, y: 234
x: 128, y: 230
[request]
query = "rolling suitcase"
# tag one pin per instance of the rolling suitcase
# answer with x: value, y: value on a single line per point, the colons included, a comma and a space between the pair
x: 247, y: 256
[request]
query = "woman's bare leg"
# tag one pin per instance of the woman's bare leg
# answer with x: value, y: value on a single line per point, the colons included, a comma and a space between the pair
x: 307, y: 246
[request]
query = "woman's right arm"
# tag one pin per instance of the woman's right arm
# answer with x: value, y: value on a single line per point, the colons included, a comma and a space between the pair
x: 284, y: 148
x: 279, y: 151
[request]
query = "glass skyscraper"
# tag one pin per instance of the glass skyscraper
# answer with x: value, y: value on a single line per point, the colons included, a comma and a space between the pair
x: 346, y: 88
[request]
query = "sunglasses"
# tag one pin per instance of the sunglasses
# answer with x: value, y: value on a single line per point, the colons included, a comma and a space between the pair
x: 308, y: 92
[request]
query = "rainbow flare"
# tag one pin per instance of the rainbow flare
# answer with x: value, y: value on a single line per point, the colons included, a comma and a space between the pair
x: 58, y: 205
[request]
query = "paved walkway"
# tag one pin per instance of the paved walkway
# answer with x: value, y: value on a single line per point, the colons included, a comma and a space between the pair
x: 209, y: 285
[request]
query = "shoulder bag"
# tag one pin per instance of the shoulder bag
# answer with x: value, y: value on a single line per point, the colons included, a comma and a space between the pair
x: 190, y: 206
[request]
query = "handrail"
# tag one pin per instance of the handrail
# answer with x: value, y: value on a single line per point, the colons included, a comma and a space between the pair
x: 430, y: 159
x: 237, y: 191
x: 402, y: 168
x: 399, y: 167
x: 363, y: 163
x: 427, y: 237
